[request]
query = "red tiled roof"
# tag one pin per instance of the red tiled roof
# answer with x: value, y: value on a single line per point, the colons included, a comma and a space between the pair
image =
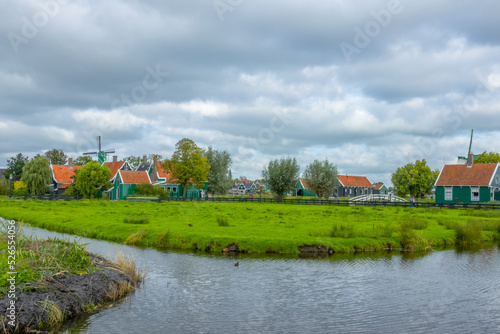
x: 354, y: 181
x: 114, y: 167
x: 304, y: 183
x: 378, y: 186
x: 63, y: 173
x: 64, y: 186
x: 461, y: 175
x: 134, y: 177
x: 162, y: 172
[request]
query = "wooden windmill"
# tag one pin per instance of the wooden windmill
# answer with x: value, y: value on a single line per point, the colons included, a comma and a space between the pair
x: 102, y: 156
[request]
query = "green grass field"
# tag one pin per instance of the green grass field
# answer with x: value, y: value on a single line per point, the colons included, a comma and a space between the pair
x: 255, y: 227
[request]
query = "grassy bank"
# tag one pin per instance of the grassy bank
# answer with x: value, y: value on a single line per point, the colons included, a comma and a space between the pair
x: 255, y: 227
x: 52, y: 280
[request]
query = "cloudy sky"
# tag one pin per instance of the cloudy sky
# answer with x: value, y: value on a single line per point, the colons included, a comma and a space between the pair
x: 370, y: 85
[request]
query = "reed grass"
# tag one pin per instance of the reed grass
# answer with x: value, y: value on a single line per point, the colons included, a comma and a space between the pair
x: 468, y: 234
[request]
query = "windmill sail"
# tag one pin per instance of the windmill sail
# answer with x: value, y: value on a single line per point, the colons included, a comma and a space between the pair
x: 102, y: 156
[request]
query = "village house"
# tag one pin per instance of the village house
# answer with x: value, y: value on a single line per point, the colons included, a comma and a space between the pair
x: 162, y: 177
x: 62, y: 176
x: 352, y: 186
x: 468, y: 183
x: 115, y: 166
x: 303, y: 189
x: 380, y: 189
x: 125, y: 183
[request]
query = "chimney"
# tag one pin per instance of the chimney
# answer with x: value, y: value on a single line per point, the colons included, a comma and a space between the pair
x: 70, y: 162
x: 470, y: 160
x: 144, y: 159
x: 154, y: 175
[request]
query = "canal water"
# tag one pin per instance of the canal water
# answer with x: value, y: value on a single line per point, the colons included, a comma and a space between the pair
x: 439, y: 292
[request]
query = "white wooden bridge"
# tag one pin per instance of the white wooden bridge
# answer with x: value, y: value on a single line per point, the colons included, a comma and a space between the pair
x: 378, y: 198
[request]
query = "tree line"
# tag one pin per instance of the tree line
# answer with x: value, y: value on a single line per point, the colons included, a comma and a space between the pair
x: 191, y: 165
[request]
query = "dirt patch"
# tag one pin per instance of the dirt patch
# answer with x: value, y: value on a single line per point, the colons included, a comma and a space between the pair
x: 232, y: 248
x: 39, y: 304
x: 315, y: 249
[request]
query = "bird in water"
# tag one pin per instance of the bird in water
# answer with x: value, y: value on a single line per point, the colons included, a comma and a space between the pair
x: 237, y: 264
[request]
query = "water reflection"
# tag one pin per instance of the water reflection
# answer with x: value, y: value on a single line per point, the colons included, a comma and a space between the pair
x: 440, y: 292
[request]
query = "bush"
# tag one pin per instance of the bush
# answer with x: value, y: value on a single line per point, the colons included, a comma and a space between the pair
x: 468, y: 234
x: 19, y: 188
x: 147, y: 189
x: 4, y: 186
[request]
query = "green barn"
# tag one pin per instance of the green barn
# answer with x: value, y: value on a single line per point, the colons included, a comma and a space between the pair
x: 380, y: 189
x: 303, y: 189
x: 125, y: 183
x: 468, y: 183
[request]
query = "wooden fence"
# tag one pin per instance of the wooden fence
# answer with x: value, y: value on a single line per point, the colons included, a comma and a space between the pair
x: 292, y: 201
x: 289, y: 201
x: 48, y: 197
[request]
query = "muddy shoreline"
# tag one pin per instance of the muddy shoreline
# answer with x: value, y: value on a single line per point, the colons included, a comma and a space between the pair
x: 43, y: 305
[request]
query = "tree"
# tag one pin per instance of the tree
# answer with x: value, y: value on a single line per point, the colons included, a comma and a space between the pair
x: 414, y: 178
x: 219, y: 178
x: 136, y: 161
x: 485, y: 158
x: 261, y: 191
x: 281, y: 176
x: 91, y: 178
x: 321, y: 178
x: 4, y: 186
x: 188, y: 165
x: 56, y: 157
x: 82, y: 160
x: 37, y: 175
x: 15, y: 167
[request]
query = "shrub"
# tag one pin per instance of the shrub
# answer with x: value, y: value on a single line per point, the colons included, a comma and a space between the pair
x: 4, y: 186
x: 147, y: 189
x: 20, y: 188
x: 468, y: 234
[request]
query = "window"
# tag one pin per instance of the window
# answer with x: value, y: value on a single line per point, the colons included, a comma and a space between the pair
x: 174, y: 189
x: 474, y: 193
x: 448, y: 194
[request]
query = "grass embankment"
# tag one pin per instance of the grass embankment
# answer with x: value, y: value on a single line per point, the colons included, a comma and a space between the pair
x: 255, y: 227
x: 53, y: 280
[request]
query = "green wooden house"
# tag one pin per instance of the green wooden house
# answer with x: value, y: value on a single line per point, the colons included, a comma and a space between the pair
x: 125, y: 183
x: 468, y: 183
x: 162, y: 177
x: 380, y: 189
x: 303, y: 189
